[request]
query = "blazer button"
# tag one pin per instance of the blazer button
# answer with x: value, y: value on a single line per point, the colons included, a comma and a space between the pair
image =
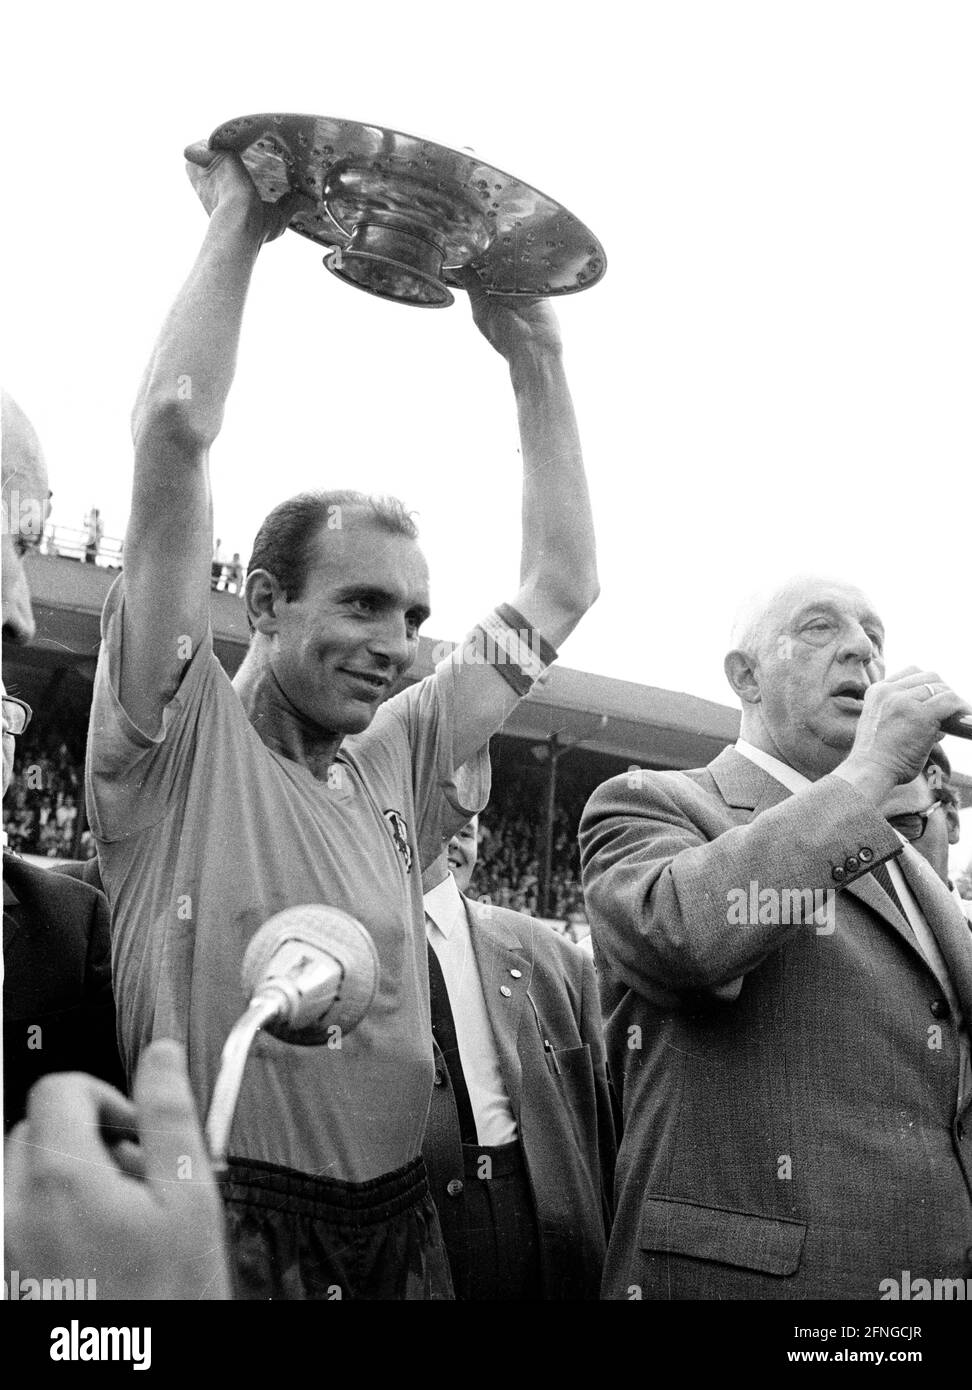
x: 865, y: 855
x: 505, y: 991
x: 837, y: 874
x: 454, y: 1187
x: 438, y: 1079
x: 852, y: 863
x: 939, y: 1008
x: 516, y: 974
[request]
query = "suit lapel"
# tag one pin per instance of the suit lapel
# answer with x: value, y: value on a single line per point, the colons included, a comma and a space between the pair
x: 869, y: 891
x: 743, y: 785
x: 747, y: 787
x: 499, y: 951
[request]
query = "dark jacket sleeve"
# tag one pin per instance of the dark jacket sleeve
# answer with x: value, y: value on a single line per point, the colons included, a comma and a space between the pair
x: 59, y: 1012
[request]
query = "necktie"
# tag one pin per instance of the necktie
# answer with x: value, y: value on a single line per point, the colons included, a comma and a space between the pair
x: 444, y: 1032
x: 881, y: 875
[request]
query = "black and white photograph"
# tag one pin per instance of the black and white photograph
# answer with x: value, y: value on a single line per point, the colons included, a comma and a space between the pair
x: 487, y: 675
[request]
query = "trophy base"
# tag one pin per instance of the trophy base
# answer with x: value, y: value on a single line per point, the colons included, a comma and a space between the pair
x: 392, y: 262
x: 388, y: 279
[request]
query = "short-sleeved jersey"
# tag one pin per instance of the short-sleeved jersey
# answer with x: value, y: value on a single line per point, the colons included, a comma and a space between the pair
x: 204, y: 833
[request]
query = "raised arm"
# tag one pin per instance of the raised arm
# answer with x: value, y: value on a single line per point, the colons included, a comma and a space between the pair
x: 168, y: 546
x: 558, y: 565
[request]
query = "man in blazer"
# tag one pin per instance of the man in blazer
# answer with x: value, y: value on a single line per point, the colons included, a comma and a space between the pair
x: 525, y: 1203
x: 58, y: 1009
x: 786, y: 985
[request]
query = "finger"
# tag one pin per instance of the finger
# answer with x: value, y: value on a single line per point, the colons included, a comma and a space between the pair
x: 945, y: 703
x: 172, y: 1143
x: 16, y: 1149
x: 913, y: 677
x: 70, y: 1113
x: 280, y: 214
x: 200, y: 153
x: 296, y: 201
x: 59, y: 1150
x: 129, y: 1158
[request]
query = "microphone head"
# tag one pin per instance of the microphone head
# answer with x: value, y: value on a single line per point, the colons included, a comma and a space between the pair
x: 323, y: 961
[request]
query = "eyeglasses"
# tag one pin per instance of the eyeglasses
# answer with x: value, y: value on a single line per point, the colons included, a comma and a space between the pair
x: 16, y: 716
x: 913, y: 823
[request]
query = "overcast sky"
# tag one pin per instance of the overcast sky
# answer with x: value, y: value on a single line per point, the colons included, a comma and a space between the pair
x: 774, y: 374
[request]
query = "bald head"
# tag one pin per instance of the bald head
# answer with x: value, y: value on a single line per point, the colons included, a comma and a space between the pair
x: 26, y: 503
x: 763, y: 614
x: 803, y: 653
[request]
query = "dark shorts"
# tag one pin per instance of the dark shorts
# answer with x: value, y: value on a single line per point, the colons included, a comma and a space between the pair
x: 294, y: 1236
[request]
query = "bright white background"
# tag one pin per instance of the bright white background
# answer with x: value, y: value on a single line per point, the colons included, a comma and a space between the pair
x: 774, y: 375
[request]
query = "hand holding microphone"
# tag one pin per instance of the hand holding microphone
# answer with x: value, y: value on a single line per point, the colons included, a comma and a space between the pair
x: 902, y: 718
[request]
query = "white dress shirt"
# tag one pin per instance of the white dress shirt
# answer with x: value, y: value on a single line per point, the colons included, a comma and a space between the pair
x: 447, y: 929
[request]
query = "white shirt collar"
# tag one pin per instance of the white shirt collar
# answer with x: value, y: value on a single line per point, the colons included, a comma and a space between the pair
x: 794, y: 781
x: 443, y: 904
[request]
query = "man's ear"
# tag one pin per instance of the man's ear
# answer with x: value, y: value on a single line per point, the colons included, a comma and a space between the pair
x: 742, y: 674
x: 263, y: 596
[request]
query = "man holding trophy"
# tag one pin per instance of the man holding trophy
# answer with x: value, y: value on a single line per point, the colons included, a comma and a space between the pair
x: 216, y: 805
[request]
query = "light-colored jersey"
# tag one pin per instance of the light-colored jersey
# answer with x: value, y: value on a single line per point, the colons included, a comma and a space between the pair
x: 204, y: 833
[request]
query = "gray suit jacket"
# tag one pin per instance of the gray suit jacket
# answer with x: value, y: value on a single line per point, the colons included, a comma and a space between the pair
x: 559, y: 1097
x: 789, y: 1091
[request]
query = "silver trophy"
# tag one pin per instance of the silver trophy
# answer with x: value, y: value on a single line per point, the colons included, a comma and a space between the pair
x: 402, y: 217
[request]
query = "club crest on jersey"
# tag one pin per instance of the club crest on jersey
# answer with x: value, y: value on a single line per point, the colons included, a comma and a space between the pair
x: 399, y: 832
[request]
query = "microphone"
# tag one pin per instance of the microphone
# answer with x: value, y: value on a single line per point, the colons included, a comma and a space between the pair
x: 311, y: 974
x: 318, y: 967
x: 959, y: 725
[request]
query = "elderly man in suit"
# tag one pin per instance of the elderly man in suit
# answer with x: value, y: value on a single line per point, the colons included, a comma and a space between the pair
x: 786, y: 984
x: 520, y: 1142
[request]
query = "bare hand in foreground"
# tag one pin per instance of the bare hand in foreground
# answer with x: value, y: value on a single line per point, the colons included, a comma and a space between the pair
x: 100, y: 1187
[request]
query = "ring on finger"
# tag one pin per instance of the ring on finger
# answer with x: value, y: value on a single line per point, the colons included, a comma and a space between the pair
x: 931, y: 690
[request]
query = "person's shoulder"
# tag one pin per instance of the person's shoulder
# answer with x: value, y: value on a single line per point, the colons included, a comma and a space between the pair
x: 54, y: 894
x: 643, y: 786
x: 557, y: 951
x: 504, y: 918
x: 81, y: 870
x: 534, y: 935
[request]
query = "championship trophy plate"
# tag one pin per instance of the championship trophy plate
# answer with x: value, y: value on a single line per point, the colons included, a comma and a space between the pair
x: 402, y: 217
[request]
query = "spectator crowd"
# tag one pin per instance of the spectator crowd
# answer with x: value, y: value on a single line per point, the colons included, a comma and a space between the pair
x: 40, y: 811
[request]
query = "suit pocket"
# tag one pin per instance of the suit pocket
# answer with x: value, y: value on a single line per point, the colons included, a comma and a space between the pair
x: 766, y: 1244
x: 570, y: 1061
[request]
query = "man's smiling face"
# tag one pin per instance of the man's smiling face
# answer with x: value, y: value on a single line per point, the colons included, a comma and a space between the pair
x: 354, y: 630
x: 463, y: 850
